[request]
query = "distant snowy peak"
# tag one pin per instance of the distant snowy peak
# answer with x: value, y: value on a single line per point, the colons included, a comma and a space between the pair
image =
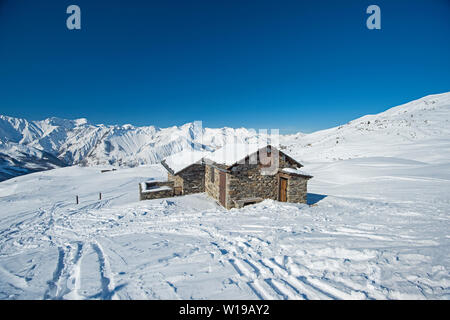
x: 18, y: 130
x: 430, y: 102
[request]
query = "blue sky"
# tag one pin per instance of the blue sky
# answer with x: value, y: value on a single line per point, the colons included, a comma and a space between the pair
x: 293, y: 65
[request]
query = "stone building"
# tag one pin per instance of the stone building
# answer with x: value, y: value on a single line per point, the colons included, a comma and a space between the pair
x: 235, y: 175
x: 186, y: 171
x: 185, y: 175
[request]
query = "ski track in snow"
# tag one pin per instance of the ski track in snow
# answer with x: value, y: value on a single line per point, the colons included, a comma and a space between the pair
x: 270, y: 279
x: 189, y: 247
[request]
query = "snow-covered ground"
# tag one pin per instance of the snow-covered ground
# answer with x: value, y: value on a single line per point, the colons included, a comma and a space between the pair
x: 376, y: 225
x: 377, y: 228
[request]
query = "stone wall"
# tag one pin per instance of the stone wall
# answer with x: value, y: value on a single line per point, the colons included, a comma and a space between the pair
x: 297, y: 189
x: 193, y: 179
x: 165, y: 193
x: 190, y: 180
x: 212, y: 188
x: 177, y: 180
x: 246, y: 181
x: 285, y: 162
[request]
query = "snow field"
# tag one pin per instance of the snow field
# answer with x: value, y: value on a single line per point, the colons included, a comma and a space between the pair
x: 346, y: 246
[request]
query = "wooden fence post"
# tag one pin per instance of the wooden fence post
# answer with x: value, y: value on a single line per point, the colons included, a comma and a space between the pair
x: 76, y: 198
x: 100, y: 196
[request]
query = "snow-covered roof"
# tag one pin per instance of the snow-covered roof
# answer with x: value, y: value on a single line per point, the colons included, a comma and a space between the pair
x: 156, y: 189
x: 296, y: 171
x: 233, y: 152
x: 145, y: 184
x: 183, y: 159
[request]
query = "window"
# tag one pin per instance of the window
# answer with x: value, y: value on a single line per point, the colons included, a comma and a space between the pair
x: 212, y: 174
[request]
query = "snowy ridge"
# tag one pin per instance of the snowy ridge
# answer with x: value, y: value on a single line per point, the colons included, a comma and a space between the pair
x: 395, y: 132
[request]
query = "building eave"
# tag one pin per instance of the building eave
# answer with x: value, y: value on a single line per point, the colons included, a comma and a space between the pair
x: 169, y: 169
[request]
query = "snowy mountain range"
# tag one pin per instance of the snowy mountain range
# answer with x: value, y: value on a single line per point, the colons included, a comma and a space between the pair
x: 29, y: 146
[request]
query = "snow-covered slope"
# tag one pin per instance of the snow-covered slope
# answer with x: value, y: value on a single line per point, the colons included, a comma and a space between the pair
x: 17, y: 159
x: 396, y: 132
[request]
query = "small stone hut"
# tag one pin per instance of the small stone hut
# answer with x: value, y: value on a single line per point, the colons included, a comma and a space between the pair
x: 239, y: 174
x: 235, y: 175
